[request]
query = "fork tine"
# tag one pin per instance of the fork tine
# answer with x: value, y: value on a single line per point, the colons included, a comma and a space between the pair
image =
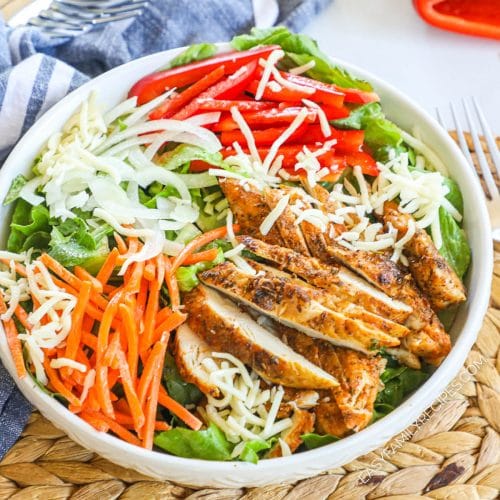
x: 481, y: 158
x: 440, y: 118
x: 488, y: 135
x: 461, y: 138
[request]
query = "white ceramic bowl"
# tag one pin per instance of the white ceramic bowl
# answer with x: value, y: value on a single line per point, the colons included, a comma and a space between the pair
x: 112, y: 87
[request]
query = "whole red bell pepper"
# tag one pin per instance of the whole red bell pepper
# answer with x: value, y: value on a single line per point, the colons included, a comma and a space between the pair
x: 153, y: 85
x: 470, y: 17
x: 225, y: 88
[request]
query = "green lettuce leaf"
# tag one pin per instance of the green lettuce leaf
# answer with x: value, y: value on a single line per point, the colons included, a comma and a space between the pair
x: 454, y: 195
x: 196, y: 52
x: 209, y: 444
x: 300, y: 49
x: 29, y: 228
x: 455, y: 248
x: 185, y: 153
x: 72, y: 243
x: 180, y: 390
x: 187, y: 275
x: 251, y: 450
x: 399, y: 381
x: 15, y: 188
x: 312, y: 440
x: 380, y: 132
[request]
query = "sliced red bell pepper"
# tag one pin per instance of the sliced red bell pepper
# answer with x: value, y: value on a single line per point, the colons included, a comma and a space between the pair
x: 282, y: 95
x: 265, y: 118
x: 153, y: 85
x: 478, y: 17
x: 324, y: 92
x: 264, y: 137
x: 347, y: 140
x: 210, y: 104
x: 349, y: 95
x: 364, y: 160
x: 334, y: 113
x: 170, y: 106
x: 232, y: 83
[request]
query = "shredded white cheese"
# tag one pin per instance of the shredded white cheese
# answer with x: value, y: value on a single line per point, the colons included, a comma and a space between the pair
x: 274, y: 215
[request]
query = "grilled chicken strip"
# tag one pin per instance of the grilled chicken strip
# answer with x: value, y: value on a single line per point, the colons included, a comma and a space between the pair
x: 228, y: 329
x: 290, y: 232
x: 430, y: 270
x: 329, y: 420
x: 302, y: 423
x: 428, y: 337
x: 334, y: 303
x: 189, y: 351
x: 337, y: 280
x: 358, y: 375
x: 289, y: 303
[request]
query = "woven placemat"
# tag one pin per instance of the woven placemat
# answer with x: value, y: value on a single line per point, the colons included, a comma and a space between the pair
x: 453, y: 452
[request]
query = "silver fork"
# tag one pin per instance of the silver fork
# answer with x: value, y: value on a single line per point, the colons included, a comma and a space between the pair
x: 70, y: 18
x: 490, y: 187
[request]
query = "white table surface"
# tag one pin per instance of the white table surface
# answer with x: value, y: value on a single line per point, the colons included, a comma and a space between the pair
x: 432, y: 66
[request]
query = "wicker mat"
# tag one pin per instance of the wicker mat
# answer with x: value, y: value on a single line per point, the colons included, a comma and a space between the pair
x: 454, y: 452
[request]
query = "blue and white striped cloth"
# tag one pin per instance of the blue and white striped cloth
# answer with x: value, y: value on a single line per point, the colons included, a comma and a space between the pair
x: 37, y: 71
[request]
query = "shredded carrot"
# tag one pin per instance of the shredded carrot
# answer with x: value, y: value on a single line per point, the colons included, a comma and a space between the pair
x: 120, y: 244
x: 60, y: 271
x: 130, y: 328
x: 172, y: 285
x: 22, y: 316
x: 112, y: 350
x: 130, y: 393
x: 206, y: 255
x: 118, y: 429
x: 89, y: 340
x: 152, y: 403
x: 84, y: 275
x: 15, y: 346
x: 150, y: 316
x: 133, y: 285
x: 108, y: 267
x: 58, y: 385
x: 19, y: 268
x: 171, y: 323
x: 74, y: 336
x: 178, y: 410
x: 149, y: 271
x: 142, y: 297
x: 199, y: 242
x: 163, y: 314
x: 97, y: 423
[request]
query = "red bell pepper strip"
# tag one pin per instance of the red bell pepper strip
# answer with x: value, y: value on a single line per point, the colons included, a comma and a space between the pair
x: 170, y: 106
x: 349, y: 95
x: 153, y: 85
x: 210, y: 104
x: 265, y: 118
x: 325, y: 93
x: 282, y: 95
x: 232, y: 83
x: 347, y: 140
x: 364, y: 160
x: 332, y: 112
x: 263, y: 137
x: 478, y: 17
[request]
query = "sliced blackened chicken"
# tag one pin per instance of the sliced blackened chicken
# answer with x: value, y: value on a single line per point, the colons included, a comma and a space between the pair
x: 358, y: 376
x: 337, y: 304
x: 302, y: 423
x: 249, y: 208
x: 189, y: 351
x: 430, y: 270
x: 228, y: 329
x: 291, y: 304
x: 290, y: 232
x: 337, y: 280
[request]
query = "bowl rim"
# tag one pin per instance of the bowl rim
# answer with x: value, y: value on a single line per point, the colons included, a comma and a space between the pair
x: 399, y: 419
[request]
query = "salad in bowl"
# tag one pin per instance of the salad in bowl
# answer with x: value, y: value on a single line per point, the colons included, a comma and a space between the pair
x: 242, y: 260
